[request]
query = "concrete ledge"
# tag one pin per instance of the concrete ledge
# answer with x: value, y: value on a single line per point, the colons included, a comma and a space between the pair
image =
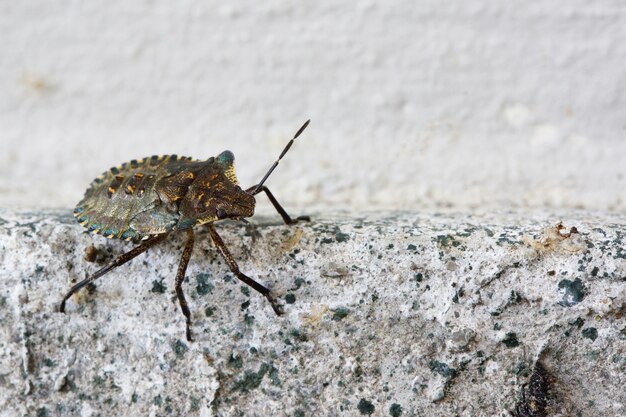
x: 397, y: 314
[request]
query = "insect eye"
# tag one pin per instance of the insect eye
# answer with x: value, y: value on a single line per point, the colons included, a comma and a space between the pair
x: 221, y: 213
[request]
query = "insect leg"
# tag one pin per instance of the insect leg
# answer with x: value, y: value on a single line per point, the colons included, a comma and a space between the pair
x: 230, y: 261
x: 286, y: 218
x: 120, y: 260
x: 180, y: 276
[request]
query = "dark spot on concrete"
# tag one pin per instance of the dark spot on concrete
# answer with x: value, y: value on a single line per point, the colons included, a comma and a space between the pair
x: 578, y: 322
x: 521, y: 369
x: 235, y: 361
x: 340, y: 313
x: 590, y: 333
x: 245, y: 290
x: 341, y: 237
x: 510, y: 340
x: 251, y: 380
x: 395, y: 410
x: 179, y: 348
x: 574, y: 292
x: 298, y: 283
x: 365, y: 407
x: 290, y: 298
x: 158, y: 287
x: 194, y: 404
x: 442, y: 369
x: 42, y: 412
x: 208, y: 311
x: 273, y: 375
x: 412, y: 247
x: 203, y: 286
x: 594, y: 271
x: 248, y: 319
x: 444, y: 240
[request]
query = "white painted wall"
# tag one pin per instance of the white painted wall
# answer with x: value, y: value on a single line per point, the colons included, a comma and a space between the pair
x: 414, y: 104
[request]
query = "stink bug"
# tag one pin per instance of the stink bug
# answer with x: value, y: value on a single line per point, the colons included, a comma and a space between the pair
x: 146, y: 200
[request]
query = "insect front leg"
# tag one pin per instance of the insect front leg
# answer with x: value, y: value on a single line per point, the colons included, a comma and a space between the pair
x: 286, y: 218
x: 230, y: 261
x: 180, y: 276
x: 120, y: 260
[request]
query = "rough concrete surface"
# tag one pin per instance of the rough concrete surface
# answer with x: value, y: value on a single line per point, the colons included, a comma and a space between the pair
x: 404, y: 314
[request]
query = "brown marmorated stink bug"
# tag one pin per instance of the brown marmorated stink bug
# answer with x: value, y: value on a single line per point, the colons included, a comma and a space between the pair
x: 146, y: 200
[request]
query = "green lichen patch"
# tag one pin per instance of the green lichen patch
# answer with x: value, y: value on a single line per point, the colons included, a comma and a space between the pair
x: 395, y: 410
x: 447, y: 241
x: 442, y: 369
x: 365, y: 407
x: 340, y: 236
x: 203, y: 286
x: 194, y: 404
x: 179, y: 348
x: 340, y: 313
x: 510, y: 340
x: 42, y: 412
x: 235, y: 361
x: 337, y: 236
x: 158, y: 287
x: 297, y: 283
x: 577, y: 323
x: 290, y: 298
x: 590, y: 333
x: 574, y: 292
x: 273, y: 375
x: 251, y: 380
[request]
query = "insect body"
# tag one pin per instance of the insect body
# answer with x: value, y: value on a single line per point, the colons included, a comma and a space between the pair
x: 144, y: 201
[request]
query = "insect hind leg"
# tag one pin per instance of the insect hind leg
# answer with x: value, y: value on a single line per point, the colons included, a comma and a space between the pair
x: 180, y: 277
x: 232, y: 264
x: 286, y: 218
x: 120, y: 260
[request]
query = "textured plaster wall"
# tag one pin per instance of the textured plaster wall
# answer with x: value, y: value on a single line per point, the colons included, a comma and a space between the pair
x: 475, y: 103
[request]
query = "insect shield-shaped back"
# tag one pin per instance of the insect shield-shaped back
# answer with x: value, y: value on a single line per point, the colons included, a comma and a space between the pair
x: 215, y: 194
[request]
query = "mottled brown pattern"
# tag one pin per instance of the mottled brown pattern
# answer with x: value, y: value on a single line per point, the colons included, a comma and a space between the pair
x: 120, y: 194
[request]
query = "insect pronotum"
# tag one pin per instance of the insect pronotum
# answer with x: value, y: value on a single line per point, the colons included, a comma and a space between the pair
x: 144, y: 201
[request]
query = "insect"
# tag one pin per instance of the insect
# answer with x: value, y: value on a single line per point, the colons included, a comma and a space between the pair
x: 534, y: 398
x: 143, y: 201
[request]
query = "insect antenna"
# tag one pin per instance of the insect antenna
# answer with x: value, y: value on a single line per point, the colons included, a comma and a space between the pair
x: 258, y: 187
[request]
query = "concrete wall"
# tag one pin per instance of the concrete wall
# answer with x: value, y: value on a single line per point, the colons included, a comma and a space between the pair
x: 414, y: 104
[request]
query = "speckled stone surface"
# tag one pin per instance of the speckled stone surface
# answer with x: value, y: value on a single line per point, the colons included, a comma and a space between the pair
x: 387, y: 314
